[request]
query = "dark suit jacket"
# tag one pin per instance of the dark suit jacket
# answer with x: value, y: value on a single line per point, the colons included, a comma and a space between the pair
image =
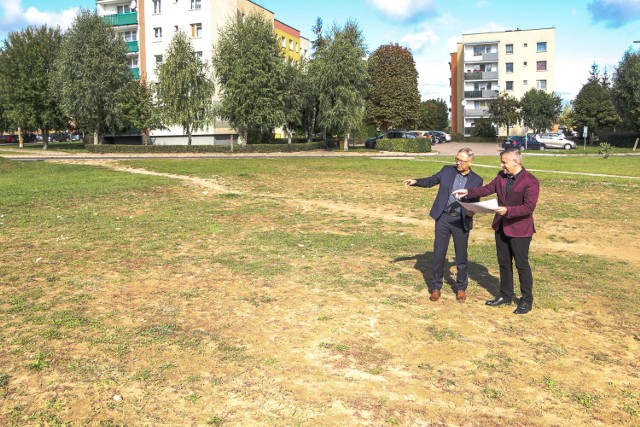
x: 520, y: 202
x: 445, y: 178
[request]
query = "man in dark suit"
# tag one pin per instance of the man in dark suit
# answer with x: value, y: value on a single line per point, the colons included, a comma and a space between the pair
x: 452, y: 219
x: 517, y: 192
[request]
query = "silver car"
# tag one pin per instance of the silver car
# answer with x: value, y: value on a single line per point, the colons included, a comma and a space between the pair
x: 553, y: 140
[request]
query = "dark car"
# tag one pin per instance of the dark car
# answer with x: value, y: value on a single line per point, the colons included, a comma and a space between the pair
x: 59, y: 137
x: 371, y: 142
x: 29, y: 137
x: 392, y: 134
x: 436, y: 137
x: 522, y: 142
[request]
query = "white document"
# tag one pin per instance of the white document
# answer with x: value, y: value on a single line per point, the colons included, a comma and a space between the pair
x: 486, y: 206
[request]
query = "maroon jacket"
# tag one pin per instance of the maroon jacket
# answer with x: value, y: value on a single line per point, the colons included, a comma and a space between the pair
x: 520, y: 202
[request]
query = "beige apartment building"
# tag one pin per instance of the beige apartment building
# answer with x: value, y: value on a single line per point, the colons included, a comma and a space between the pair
x: 486, y: 64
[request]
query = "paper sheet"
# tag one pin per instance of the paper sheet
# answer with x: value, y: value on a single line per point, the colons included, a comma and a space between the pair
x: 486, y: 206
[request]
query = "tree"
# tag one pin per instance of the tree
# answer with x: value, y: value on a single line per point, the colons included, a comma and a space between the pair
x: 339, y: 72
x: 484, y: 128
x: 26, y: 79
x: 593, y: 106
x: 92, y: 76
x: 144, y: 112
x: 626, y: 89
x: 294, y: 95
x: 540, y: 109
x: 250, y: 69
x: 567, y: 118
x: 433, y: 114
x: 505, y: 111
x: 393, y: 100
x: 185, y: 88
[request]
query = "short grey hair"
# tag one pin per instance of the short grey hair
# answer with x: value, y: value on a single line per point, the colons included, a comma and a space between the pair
x: 517, y: 154
x: 467, y: 151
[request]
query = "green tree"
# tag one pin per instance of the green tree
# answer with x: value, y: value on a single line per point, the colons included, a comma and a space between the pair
x: 593, y: 106
x: 294, y: 96
x: 540, y: 109
x: 250, y: 69
x: 92, y: 76
x: 626, y: 89
x: 144, y: 113
x: 567, y: 117
x: 505, y: 111
x: 26, y: 79
x: 393, y: 100
x: 484, y: 128
x: 339, y: 73
x: 185, y: 88
x: 433, y: 114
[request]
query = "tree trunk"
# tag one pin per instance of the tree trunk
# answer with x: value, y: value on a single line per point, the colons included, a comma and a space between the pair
x: 289, y: 133
x: 96, y: 138
x: 346, y: 141
x: 188, y: 137
x: 45, y: 140
x: 146, y: 137
x: 20, y: 139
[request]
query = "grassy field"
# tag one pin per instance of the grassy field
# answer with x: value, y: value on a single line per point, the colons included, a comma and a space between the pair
x: 292, y: 292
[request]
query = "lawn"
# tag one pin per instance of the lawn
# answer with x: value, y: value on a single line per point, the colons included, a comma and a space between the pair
x: 292, y: 292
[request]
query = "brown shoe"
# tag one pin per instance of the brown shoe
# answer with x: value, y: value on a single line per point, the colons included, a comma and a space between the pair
x: 461, y: 296
x: 435, y: 295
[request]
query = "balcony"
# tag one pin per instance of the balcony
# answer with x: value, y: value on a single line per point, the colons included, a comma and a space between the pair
x: 136, y: 73
x: 476, y: 113
x: 132, y: 47
x: 120, y: 19
x: 481, y: 75
x: 480, y: 93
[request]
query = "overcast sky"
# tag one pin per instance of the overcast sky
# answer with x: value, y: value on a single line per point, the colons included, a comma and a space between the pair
x: 586, y: 31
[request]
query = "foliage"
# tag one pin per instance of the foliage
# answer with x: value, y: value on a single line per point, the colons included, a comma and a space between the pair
x: 605, y: 149
x: 247, y: 148
x: 294, y: 96
x: 626, y: 89
x: 26, y: 69
x: 433, y: 114
x: 144, y: 112
x: 339, y: 74
x: 567, y: 118
x: 540, y: 109
x: 92, y: 76
x: 484, y: 128
x: 185, y: 89
x: 250, y: 70
x: 393, y: 99
x: 593, y: 106
x: 405, y: 145
x: 505, y: 111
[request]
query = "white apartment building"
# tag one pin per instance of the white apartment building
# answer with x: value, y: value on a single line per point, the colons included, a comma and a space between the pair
x: 486, y: 64
x: 148, y: 27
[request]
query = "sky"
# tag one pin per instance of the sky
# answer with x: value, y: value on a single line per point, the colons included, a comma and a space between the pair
x: 587, y: 32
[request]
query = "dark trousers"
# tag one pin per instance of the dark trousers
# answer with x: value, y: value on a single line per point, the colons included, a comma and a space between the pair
x: 447, y: 226
x: 508, y: 250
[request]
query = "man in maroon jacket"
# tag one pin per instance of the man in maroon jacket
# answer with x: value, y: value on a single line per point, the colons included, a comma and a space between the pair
x: 517, y: 192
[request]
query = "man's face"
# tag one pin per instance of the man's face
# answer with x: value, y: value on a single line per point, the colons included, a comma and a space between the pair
x: 463, y: 162
x: 509, y: 164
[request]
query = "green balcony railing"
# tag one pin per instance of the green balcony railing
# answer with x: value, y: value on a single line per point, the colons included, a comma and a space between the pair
x: 473, y: 76
x: 120, y: 19
x: 132, y: 47
x: 136, y: 73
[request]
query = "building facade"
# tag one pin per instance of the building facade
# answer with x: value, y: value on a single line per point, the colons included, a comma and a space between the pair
x: 486, y: 64
x: 148, y: 27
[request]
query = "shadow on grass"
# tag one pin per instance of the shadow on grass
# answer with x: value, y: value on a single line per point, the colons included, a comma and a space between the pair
x: 477, y: 273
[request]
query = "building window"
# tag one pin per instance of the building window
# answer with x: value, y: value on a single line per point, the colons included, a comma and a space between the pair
x: 509, y: 85
x: 481, y: 50
x: 157, y: 32
x: 526, y: 44
x: 541, y: 47
x: 509, y: 67
x: 509, y: 48
x: 297, y: 48
x: 196, y: 4
x: 290, y: 44
x: 541, y: 65
x: 133, y: 62
x: 124, y: 9
x: 284, y: 42
x: 524, y: 64
x: 196, y: 30
x: 130, y: 36
x: 158, y: 60
x: 157, y: 7
x: 175, y: 28
x: 541, y: 84
x: 199, y: 55
x: 524, y: 82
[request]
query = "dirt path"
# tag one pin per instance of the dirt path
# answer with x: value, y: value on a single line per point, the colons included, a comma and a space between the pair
x: 590, y: 242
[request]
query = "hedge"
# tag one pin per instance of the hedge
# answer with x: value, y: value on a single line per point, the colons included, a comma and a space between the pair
x: 251, y: 148
x: 404, y: 145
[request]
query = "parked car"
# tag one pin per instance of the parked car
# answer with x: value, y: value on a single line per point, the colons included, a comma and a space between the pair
x: 371, y: 142
x: 436, y: 138
x: 447, y: 137
x: 391, y: 135
x: 523, y: 142
x: 29, y: 137
x: 77, y: 136
x: 59, y: 137
x: 6, y: 139
x: 554, y: 141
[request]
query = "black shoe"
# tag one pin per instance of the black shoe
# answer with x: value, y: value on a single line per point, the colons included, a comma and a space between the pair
x: 498, y: 301
x: 523, y: 308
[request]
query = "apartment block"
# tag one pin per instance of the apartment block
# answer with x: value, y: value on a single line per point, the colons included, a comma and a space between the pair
x: 486, y: 64
x: 148, y: 27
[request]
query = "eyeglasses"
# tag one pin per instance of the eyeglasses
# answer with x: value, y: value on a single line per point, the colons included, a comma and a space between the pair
x: 457, y: 160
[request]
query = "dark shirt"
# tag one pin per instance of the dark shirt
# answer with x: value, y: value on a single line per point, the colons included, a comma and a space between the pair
x: 459, y: 183
x: 510, y: 180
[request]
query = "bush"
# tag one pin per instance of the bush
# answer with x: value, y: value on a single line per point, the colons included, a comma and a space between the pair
x: 405, y: 145
x: 252, y: 148
x: 617, y: 139
x: 484, y: 128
